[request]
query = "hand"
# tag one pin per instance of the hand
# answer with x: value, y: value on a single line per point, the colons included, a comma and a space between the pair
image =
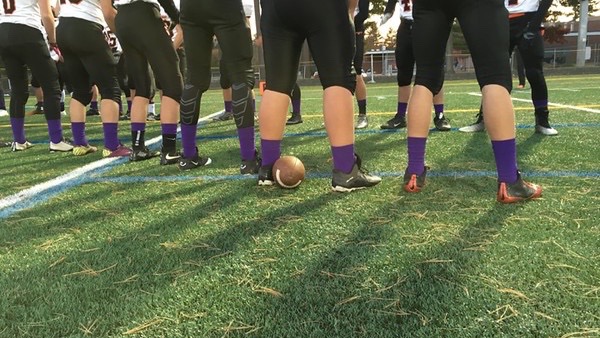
x: 385, y: 18
x: 55, y: 53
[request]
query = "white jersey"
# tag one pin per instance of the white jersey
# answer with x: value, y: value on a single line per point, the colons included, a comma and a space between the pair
x: 89, y: 10
x: 248, y: 7
x: 521, y: 6
x: 406, y: 9
x: 24, y: 12
x: 126, y: 2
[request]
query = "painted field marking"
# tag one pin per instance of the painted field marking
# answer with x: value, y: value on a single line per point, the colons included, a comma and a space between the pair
x: 65, y: 180
x: 559, y: 105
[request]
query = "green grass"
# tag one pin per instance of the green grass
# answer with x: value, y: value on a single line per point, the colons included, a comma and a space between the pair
x: 202, y: 257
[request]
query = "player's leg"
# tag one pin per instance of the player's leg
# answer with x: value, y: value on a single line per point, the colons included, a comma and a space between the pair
x: 235, y: 39
x: 440, y: 121
x: 486, y: 31
x: 430, y: 33
x: 332, y: 48
x: 282, y: 48
x: 225, y: 82
x: 199, y: 42
x: 361, y: 88
x: 100, y: 64
x: 296, y: 99
x: 405, y: 62
x: 39, y: 97
x: 19, y: 94
x: 532, y: 51
x: 520, y: 69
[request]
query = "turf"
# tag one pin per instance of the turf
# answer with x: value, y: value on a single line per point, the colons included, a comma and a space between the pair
x: 144, y: 250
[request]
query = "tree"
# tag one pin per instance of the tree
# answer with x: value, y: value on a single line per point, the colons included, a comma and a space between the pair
x: 554, y: 14
x: 373, y: 39
x: 390, y: 39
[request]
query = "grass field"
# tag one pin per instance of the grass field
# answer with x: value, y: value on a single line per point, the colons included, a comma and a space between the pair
x: 147, y: 251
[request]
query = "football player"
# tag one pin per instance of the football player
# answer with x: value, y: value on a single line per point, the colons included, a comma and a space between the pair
x: 22, y: 44
x: 360, y: 15
x: 89, y: 60
x: 526, y: 18
x: 225, y: 19
x: 405, y: 61
x: 485, y: 27
x: 142, y: 35
x: 328, y: 28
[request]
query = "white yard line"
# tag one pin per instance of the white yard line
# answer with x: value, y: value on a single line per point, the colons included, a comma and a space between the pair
x: 63, y: 179
x: 559, y: 105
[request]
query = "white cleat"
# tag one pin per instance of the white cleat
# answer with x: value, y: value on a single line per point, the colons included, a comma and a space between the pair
x: 62, y: 146
x: 16, y: 146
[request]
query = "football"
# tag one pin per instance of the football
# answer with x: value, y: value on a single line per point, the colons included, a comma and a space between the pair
x: 288, y: 172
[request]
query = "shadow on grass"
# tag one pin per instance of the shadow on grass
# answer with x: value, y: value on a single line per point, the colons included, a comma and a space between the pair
x: 114, y: 274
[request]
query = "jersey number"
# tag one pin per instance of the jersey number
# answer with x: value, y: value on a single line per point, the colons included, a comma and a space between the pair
x: 513, y: 2
x: 75, y: 2
x: 407, y: 3
x: 9, y: 6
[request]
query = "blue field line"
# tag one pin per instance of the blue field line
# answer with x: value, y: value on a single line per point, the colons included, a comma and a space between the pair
x: 48, y: 194
x: 323, y: 133
x: 457, y: 174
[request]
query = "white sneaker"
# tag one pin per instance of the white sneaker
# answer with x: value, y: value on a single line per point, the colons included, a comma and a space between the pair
x: 63, y: 113
x: 3, y: 112
x: 548, y: 131
x: 363, y: 122
x: 61, y: 146
x: 475, y: 127
x: 16, y: 146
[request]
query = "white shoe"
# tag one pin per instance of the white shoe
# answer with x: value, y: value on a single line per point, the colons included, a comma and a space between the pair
x: 473, y: 128
x: 363, y: 122
x: 3, y: 112
x: 548, y: 131
x: 63, y: 113
x: 61, y: 146
x: 16, y: 146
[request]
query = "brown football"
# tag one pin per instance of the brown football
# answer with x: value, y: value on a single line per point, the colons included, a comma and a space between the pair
x: 288, y: 172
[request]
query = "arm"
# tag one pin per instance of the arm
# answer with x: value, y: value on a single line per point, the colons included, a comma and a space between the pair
x: 171, y: 10
x: 109, y: 13
x: 48, y: 21
x: 539, y: 16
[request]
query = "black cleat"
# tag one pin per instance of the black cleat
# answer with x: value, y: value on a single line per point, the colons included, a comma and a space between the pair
x: 518, y: 191
x: 441, y: 124
x: 228, y: 115
x: 265, y: 175
x: 92, y: 112
x: 250, y: 167
x: 475, y: 127
x: 193, y: 163
x: 296, y: 118
x: 414, y: 183
x: 142, y: 154
x: 358, y: 178
x: 167, y: 158
x: 395, y: 123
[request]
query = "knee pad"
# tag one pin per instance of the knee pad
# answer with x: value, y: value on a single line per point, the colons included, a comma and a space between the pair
x: 111, y: 93
x: 348, y: 82
x: 83, y: 96
x: 173, y: 87
x: 224, y: 81
x: 190, y: 104
x: 404, y: 77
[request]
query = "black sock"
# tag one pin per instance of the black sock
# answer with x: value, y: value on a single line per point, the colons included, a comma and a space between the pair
x: 137, y: 139
x: 169, y: 143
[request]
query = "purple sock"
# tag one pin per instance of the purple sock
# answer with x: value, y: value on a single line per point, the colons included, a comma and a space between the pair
x: 416, y: 155
x: 94, y: 105
x: 401, y: 112
x: 540, y: 103
x: 168, y: 128
x: 55, y: 130
x: 247, y: 146
x: 111, y: 136
x: 78, y: 130
x: 271, y: 151
x: 228, y: 106
x: 362, y: 107
x: 188, y: 140
x: 18, y: 129
x: 343, y: 158
x: 296, y: 106
x: 138, y: 126
x: 505, y: 153
x: 439, y: 109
